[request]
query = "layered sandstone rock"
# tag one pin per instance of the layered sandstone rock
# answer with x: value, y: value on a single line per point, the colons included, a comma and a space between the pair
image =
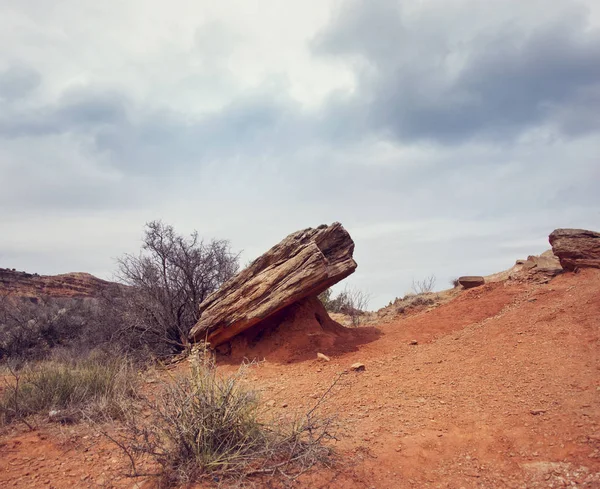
x: 303, y: 265
x: 576, y: 248
x: 68, y: 285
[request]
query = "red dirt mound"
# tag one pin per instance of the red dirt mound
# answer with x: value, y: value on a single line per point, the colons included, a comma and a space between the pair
x: 296, y: 333
x: 502, y: 390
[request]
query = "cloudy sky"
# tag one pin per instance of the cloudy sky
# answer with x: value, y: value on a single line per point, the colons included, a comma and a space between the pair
x: 450, y: 137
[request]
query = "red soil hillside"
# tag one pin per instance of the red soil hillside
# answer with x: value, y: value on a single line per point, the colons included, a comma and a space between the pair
x: 501, y: 391
x: 69, y: 285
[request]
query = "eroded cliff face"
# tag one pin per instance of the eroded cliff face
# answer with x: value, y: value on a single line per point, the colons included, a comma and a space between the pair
x: 33, y: 286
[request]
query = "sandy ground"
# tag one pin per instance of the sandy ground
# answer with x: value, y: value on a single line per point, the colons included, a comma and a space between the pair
x: 501, y: 391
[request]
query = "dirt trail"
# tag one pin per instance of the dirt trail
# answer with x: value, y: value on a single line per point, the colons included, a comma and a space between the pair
x: 502, y: 391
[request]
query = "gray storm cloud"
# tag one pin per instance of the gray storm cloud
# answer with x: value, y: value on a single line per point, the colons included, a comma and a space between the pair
x: 417, y: 81
x: 465, y: 134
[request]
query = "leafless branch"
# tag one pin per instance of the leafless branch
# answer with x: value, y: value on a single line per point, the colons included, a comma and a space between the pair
x: 424, y: 286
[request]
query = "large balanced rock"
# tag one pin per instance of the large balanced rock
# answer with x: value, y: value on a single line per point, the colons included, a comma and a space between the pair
x: 304, y: 264
x: 470, y: 281
x: 576, y: 248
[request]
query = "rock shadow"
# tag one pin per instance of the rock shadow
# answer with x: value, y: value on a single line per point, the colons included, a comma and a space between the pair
x: 295, y: 334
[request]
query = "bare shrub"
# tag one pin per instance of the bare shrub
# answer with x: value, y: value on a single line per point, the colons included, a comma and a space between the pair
x: 424, y: 286
x: 152, y: 316
x: 207, y: 425
x: 350, y: 301
x: 454, y: 282
x: 66, y: 390
x: 169, y: 279
x: 357, y: 303
x: 31, y: 330
x: 34, y: 330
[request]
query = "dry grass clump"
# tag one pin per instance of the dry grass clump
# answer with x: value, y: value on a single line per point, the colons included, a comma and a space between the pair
x: 400, y: 305
x: 67, y: 390
x: 204, y: 424
x: 422, y: 295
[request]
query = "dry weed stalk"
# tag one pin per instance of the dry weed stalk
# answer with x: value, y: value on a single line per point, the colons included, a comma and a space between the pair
x: 424, y: 286
x: 11, y: 404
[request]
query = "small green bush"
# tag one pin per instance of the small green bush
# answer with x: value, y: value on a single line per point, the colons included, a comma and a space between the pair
x: 67, y: 390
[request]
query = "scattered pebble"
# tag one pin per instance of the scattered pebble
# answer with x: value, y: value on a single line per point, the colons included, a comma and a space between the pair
x: 358, y: 367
